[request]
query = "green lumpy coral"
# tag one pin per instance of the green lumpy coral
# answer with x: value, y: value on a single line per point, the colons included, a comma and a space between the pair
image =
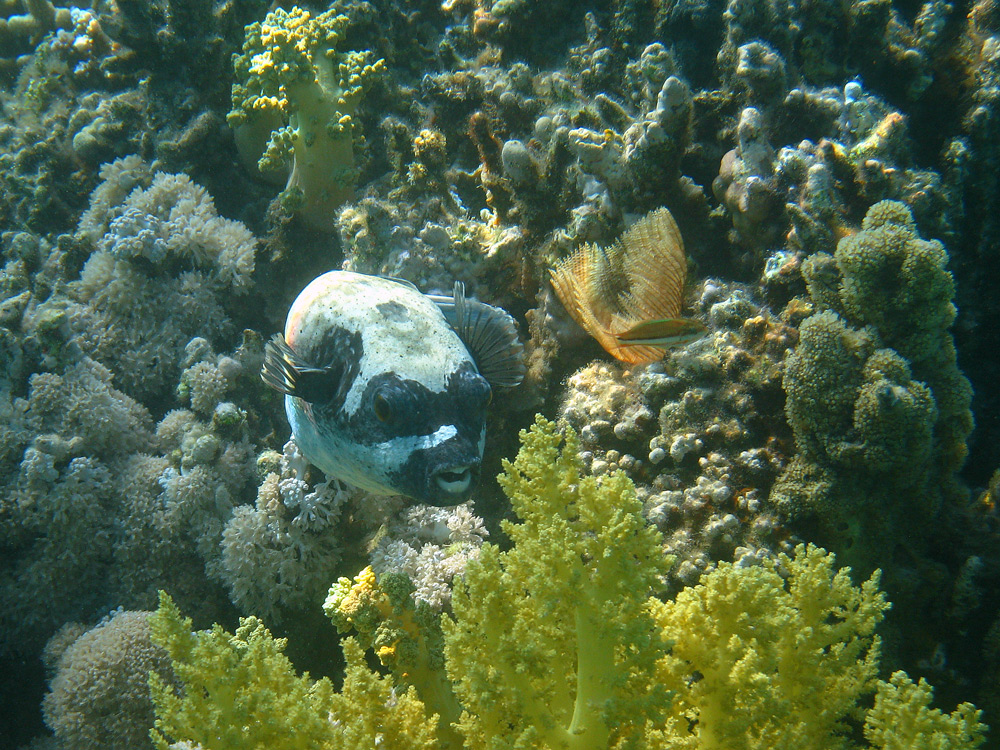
x: 891, y: 280
x: 558, y: 643
x: 895, y: 281
x: 294, y: 98
x: 854, y: 406
x: 878, y: 406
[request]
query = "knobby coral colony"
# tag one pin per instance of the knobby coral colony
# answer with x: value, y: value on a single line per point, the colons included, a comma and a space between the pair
x: 629, y: 296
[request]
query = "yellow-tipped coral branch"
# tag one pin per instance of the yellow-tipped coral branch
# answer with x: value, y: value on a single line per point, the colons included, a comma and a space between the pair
x: 294, y: 98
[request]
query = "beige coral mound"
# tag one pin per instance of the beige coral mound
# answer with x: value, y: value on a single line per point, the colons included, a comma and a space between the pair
x: 639, y: 278
x: 99, y: 697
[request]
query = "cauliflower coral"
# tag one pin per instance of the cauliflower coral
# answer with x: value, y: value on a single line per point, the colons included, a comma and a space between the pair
x: 558, y: 643
x: 294, y: 97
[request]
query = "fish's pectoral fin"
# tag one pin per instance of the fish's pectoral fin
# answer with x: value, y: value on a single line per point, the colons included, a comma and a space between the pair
x: 488, y: 333
x: 284, y: 371
x: 280, y: 370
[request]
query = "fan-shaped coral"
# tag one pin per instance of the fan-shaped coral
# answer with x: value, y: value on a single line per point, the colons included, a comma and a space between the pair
x: 638, y: 280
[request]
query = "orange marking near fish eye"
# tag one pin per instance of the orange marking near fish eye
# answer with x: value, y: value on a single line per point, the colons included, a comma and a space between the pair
x: 314, y: 291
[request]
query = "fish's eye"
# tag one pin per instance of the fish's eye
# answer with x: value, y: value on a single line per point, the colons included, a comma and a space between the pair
x: 383, y: 409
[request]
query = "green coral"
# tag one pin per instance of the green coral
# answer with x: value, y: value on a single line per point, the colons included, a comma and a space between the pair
x: 864, y: 431
x: 558, y: 643
x: 854, y: 406
x: 785, y: 652
x: 887, y: 278
x: 240, y: 691
x: 877, y: 404
x: 902, y: 719
x: 563, y: 616
x: 404, y: 635
x: 897, y: 282
x: 294, y: 98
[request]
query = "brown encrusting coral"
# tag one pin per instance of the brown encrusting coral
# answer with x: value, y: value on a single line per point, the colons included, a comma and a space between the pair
x: 640, y: 278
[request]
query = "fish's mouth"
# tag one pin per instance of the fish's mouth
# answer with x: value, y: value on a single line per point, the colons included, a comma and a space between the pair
x: 455, y: 480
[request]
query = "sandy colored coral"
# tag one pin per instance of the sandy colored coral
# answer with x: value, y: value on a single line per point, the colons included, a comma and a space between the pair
x: 99, y: 697
x: 281, y: 552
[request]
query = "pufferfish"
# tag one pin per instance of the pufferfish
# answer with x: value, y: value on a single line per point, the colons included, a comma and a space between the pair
x: 386, y: 388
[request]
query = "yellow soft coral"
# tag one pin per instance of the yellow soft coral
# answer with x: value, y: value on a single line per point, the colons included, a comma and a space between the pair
x: 294, y: 97
x: 781, y: 662
x: 241, y: 693
x: 557, y: 643
x: 552, y: 644
x: 902, y: 719
x: 404, y: 635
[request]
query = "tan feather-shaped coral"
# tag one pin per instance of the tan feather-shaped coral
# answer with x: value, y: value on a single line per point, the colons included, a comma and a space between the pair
x: 639, y: 278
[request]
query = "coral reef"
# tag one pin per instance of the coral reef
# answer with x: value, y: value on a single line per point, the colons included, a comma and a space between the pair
x: 560, y: 622
x: 58, y: 497
x: 101, y: 506
x: 161, y: 264
x: 813, y: 155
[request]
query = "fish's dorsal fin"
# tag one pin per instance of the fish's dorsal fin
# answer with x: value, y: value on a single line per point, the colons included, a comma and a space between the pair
x: 403, y: 282
x: 284, y: 371
x: 488, y: 333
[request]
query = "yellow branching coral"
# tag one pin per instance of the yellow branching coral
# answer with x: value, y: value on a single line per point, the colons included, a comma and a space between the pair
x: 902, y: 719
x: 552, y: 644
x: 294, y: 97
x: 240, y: 692
x: 783, y: 656
x: 406, y: 638
x: 557, y: 644
x: 782, y: 662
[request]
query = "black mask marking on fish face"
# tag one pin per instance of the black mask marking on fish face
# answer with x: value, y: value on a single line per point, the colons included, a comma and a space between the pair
x: 396, y: 411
